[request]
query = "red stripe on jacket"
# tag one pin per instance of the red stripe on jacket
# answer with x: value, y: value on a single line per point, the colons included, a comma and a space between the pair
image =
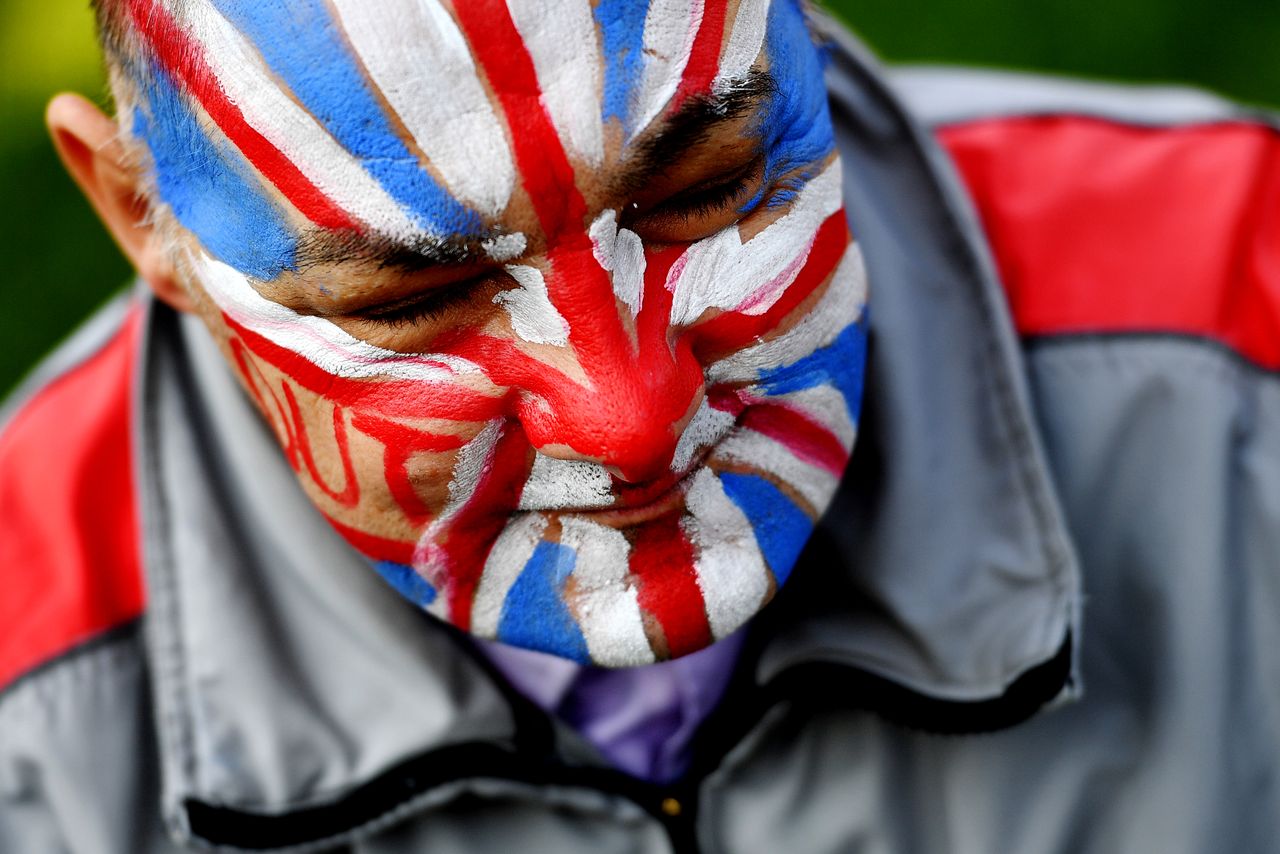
x: 1105, y: 227
x: 70, y: 566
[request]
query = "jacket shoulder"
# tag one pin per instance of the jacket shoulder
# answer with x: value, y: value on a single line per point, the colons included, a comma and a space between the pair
x: 70, y: 565
x: 1118, y: 209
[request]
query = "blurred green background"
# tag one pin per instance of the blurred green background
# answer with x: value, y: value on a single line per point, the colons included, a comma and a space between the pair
x: 58, y: 264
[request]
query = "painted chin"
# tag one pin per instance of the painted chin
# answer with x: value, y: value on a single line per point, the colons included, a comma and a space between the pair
x: 667, y: 569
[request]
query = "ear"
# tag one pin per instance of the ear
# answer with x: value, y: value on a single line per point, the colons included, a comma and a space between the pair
x: 87, y: 142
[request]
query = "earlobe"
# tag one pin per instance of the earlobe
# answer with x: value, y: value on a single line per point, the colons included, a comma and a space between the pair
x: 90, y: 149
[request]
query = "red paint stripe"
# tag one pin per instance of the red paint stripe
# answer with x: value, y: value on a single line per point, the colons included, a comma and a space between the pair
x: 662, y: 560
x: 396, y: 398
x: 275, y: 415
x: 732, y: 331
x: 704, y: 59
x: 349, y: 495
x: 653, y: 323
x: 457, y: 561
x: 400, y: 443
x: 638, y: 394
x: 577, y: 285
x: 70, y: 563
x: 377, y: 548
x: 800, y: 434
x: 505, y: 364
x: 183, y: 57
x: 729, y: 398
x: 542, y: 161
x: 1101, y: 227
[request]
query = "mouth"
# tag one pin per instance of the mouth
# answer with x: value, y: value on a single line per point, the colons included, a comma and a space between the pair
x: 636, y: 503
x: 640, y: 504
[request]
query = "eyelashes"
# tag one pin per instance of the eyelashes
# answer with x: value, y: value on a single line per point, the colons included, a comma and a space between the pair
x: 715, y: 198
x: 432, y: 306
x: 704, y: 209
x: 706, y: 202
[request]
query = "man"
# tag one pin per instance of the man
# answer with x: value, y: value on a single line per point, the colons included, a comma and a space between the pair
x: 546, y: 319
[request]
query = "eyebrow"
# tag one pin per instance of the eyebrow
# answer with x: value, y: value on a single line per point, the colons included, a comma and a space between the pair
x: 690, y: 125
x: 318, y: 247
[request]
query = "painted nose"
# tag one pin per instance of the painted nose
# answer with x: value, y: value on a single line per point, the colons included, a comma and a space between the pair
x: 627, y: 416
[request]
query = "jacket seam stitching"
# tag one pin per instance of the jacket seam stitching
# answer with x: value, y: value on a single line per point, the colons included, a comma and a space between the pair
x: 121, y: 634
x: 1244, y: 120
x: 1192, y: 341
x: 168, y: 671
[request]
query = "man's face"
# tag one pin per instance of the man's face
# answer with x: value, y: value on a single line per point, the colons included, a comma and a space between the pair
x: 550, y: 303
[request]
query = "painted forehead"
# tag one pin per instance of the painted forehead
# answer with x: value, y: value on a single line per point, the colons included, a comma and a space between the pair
x: 395, y: 119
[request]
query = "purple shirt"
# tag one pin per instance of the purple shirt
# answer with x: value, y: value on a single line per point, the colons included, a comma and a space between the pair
x: 642, y: 719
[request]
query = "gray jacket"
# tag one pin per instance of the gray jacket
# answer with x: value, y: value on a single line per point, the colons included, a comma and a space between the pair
x: 927, y: 681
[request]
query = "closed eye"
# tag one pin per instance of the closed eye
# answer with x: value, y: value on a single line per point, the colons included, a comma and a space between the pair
x: 428, y: 306
x: 699, y: 211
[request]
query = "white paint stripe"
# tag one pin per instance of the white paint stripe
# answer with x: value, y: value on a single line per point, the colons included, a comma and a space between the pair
x: 621, y: 253
x: 249, y: 85
x: 731, y: 571
x: 474, y: 459
x: 604, y: 234
x: 744, y: 45
x: 507, y: 559
x: 561, y: 38
x: 814, y: 484
x: 533, y: 317
x: 556, y: 484
x: 417, y: 56
x: 505, y: 247
x: 669, y: 33
x: 839, y: 306
x: 826, y: 405
x: 628, y: 270
x: 607, y: 607
x: 316, y: 339
x: 429, y: 557
x: 724, y: 273
x: 708, y: 426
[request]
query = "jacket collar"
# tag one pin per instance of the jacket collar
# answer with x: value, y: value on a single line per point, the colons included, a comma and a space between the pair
x: 287, y: 675
x: 944, y: 564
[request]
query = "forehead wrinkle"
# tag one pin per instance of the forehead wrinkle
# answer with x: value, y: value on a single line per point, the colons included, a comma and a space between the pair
x: 692, y: 124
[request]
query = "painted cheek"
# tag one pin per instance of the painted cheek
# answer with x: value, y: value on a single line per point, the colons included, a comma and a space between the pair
x: 330, y: 435
x: 729, y: 292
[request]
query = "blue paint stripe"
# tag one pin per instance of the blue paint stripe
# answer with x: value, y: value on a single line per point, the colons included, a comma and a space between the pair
x: 210, y: 186
x: 534, y: 615
x: 796, y: 124
x: 842, y: 364
x: 622, y: 33
x: 302, y: 44
x: 406, y: 582
x: 781, y: 528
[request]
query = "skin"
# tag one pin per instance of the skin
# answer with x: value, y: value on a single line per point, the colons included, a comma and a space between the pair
x: 606, y: 430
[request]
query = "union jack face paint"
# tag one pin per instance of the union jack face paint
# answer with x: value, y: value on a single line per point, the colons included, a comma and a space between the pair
x: 552, y: 305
